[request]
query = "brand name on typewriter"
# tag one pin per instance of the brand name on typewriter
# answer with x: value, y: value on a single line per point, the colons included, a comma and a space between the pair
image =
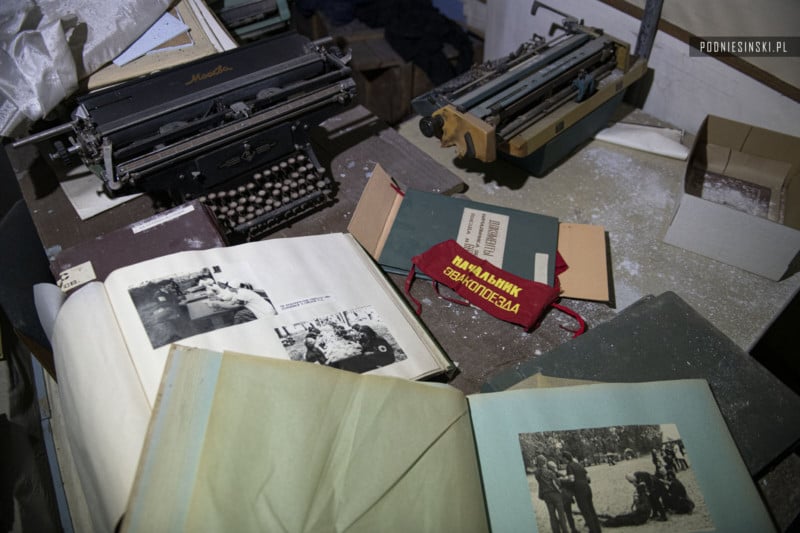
x: 216, y: 71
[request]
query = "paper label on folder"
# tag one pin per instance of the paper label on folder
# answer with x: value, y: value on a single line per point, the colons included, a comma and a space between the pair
x: 76, y: 276
x: 483, y: 234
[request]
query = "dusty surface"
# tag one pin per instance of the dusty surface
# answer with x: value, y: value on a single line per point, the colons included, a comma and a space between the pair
x: 633, y: 195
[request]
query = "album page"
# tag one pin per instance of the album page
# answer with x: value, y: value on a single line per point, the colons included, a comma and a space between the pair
x: 319, y: 299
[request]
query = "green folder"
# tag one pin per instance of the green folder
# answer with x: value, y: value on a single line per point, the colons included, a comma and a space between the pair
x: 517, y: 241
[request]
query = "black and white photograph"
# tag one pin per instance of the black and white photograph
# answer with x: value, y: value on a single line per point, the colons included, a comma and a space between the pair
x: 357, y: 340
x: 620, y: 478
x: 183, y: 305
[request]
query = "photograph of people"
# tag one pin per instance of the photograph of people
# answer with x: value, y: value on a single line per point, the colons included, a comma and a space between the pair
x: 597, y: 478
x: 183, y: 305
x: 356, y: 340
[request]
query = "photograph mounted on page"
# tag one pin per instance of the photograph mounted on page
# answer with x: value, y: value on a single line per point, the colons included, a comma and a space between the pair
x: 185, y: 305
x: 357, y: 340
x: 239, y: 298
x: 613, y: 477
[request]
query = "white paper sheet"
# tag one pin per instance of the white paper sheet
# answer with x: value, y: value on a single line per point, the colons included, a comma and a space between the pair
x: 85, y: 192
x: 165, y: 28
x: 661, y: 141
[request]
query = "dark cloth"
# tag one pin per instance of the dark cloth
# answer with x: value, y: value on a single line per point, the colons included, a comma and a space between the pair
x: 556, y: 512
x: 656, y: 491
x: 339, y: 12
x: 676, y: 499
x: 315, y: 355
x: 376, y: 352
x: 418, y: 32
x: 639, y: 515
x: 415, y: 29
x: 27, y: 492
x: 550, y: 494
x: 548, y: 482
x: 22, y: 265
x: 243, y: 315
x: 582, y: 491
x: 568, y: 498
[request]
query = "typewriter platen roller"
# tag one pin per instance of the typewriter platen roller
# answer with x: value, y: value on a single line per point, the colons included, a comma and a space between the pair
x: 212, y: 125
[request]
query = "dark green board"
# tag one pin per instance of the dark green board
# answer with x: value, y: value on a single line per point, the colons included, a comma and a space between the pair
x: 662, y: 338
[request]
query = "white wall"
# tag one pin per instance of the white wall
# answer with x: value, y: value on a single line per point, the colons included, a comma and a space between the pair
x: 685, y: 89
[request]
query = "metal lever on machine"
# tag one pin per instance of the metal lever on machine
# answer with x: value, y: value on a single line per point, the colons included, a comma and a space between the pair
x: 43, y: 135
x: 537, y: 4
x: 569, y: 24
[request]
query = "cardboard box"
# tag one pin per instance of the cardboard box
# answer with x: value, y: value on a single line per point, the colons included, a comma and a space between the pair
x: 741, y: 198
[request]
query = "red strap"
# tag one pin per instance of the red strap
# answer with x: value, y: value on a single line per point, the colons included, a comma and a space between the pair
x: 481, y: 284
x: 573, y: 314
x: 409, y: 280
x: 448, y: 298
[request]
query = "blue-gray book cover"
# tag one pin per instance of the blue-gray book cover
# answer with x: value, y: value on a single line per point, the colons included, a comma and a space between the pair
x: 519, y: 242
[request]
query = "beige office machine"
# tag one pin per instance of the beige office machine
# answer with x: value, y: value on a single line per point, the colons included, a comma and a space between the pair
x: 536, y: 104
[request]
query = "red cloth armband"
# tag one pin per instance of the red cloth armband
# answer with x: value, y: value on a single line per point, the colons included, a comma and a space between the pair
x: 499, y: 293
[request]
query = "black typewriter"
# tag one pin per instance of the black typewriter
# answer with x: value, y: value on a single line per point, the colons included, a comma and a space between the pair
x: 231, y: 129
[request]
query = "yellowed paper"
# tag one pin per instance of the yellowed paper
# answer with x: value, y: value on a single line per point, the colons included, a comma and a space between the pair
x: 287, y: 446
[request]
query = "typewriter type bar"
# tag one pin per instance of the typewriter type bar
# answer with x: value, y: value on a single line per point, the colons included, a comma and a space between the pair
x: 518, y: 103
x: 193, y: 128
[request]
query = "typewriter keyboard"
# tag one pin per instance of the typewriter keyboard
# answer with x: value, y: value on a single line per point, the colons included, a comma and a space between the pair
x: 274, y: 196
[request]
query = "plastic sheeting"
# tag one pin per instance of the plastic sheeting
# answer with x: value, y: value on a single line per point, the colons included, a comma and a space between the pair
x: 47, y: 46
